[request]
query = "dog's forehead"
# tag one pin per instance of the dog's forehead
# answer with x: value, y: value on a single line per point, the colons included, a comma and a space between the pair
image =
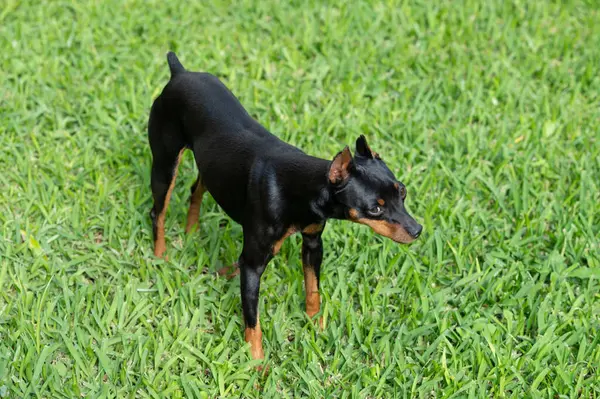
x: 377, y: 180
x: 376, y: 170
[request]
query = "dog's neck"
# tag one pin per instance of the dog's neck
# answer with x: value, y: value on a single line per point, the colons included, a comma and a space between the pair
x: 322, y: 196
x: 304, y: 182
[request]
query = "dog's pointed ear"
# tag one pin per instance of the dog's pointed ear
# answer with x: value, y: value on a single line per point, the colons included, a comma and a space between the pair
x: 363, y: 149
x: 339, y: 171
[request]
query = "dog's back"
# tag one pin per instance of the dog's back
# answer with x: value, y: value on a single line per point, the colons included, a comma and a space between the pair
x: 197, y: 111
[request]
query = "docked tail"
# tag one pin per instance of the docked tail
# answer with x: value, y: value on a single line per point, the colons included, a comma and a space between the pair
x: 174, y: 64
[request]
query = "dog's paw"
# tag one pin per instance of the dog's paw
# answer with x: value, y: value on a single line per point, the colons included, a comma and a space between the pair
x: 230, y: 271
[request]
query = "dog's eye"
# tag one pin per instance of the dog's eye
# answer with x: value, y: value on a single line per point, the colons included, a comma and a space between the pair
x: 375, y: 211
x: 403, y: 193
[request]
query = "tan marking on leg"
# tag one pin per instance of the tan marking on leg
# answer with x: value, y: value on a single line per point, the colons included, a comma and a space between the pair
x: 313, y: 228
x: 277, y: 245
x: 159, y: 243
x: 254, y: 337
x: 194, y: 211
x: 313, y: 299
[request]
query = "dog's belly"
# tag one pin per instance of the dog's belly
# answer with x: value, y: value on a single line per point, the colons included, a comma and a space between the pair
x: 231, y: 164
x: 225, y: 160
x: 230, y: 197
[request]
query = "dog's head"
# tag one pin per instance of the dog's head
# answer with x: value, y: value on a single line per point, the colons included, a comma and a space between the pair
x: 371, y: 194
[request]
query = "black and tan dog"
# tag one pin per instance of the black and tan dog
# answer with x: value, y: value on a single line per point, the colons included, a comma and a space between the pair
x: 271, y: 188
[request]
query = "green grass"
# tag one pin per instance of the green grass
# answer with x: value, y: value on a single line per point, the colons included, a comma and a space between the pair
x: 488, y: 111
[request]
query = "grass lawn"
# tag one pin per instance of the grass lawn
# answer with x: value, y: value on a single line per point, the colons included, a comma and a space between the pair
x: 489, y: 112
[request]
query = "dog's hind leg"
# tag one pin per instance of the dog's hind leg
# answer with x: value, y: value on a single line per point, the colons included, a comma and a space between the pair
x: 164, y: 173
x: 195, y: 202
x: 167, y: 150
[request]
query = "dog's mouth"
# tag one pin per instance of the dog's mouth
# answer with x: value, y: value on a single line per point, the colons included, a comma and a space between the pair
x: 394, y: 231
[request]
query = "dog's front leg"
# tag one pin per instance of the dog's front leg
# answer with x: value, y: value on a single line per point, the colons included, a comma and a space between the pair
x: 312, y: 256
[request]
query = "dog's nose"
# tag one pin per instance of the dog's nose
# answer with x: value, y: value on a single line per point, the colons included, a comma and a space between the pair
x: 416, y: 231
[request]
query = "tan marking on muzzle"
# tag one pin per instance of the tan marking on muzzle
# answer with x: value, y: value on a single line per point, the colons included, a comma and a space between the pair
x: 390, y: 230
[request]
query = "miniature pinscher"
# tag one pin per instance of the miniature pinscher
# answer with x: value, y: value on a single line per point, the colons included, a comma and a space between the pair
x: 271, y: 188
